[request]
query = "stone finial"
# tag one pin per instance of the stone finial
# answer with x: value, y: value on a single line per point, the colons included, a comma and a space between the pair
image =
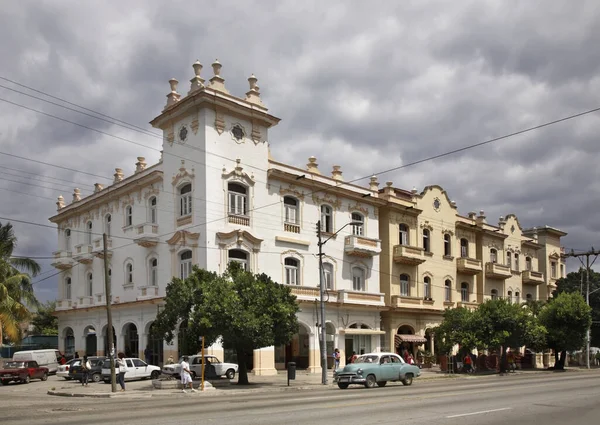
x: 173, y: 97
x: 481, y: 218
x: 98, y: 187
x: 313, y: 166
x: 374, y: 184
x: 535, y: 234
x: 253, y: 95
x: 453, y: 203
x: 118, y: 175
x: 414, y: 190
x: 217, y: 82
x: 481, y: 213
x: 161, y: 157
x: 141, y: 164
x: 76, y: 195
x: 336, y: 173
x: 197, y: 82
x: 60, y: 203
x: 472, y: 215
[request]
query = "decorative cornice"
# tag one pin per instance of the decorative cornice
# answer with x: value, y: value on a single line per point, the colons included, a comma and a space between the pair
x: 184, y: 238
x: 448, y: 231
x: 358, y: 207
x: 426, y: 225
x: 152, y: 191
x: 238, y: 174
x: 291, y: 190
x: 183, y: 174
x: 334, y: 201
x: 240, y: 235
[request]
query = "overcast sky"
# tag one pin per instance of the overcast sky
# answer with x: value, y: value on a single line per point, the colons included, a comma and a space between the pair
x: 366, y: 85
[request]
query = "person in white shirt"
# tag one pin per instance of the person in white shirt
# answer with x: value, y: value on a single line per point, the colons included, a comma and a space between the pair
x: 186, y: 375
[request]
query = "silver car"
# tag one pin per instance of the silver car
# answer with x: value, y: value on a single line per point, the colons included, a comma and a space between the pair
x: 63, y: 369
x: 213, y: 367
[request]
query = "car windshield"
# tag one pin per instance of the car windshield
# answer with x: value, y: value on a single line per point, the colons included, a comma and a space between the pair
x: 367, y: 359
x: 14, y: 365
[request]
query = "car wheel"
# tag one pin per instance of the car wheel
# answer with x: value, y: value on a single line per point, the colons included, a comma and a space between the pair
x: 408, y: 379
x: 370, y: 381
x: 230, y: 374
x: 342, y: 386
x: 45, y: 377
x: 96, y: 377
x: 26, y: 380
x: 381, y: 383
x: 155, y: 374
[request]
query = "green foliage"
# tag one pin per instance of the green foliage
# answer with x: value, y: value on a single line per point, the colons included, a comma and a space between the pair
x: 247, y: 311
x: 456, y: 328
x: 43, y: 322
x: 567, y: 318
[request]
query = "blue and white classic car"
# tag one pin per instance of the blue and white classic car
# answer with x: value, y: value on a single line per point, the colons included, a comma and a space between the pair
x: 376, y: 369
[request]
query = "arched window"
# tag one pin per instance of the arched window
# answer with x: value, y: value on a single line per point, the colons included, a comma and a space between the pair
x: 404, y: 285
x: 239, y: 256
x: 129, y: 274
x: 67, y: 288
x: 447, y: 245
x: 358, y: 279
x: 509, y: 296
x: 528, y: 297
x: 90, y: 285
x: 358, y: 229
x: 292, y: 270
x: 185, y: 264
x: 427, y: 287
x: 238, y: 199
x: 448, y: 290
x: 494, y: 294
x: 67, y: 239
x: 290, y: 206
x: 464, y: 292
x: 152, y: 211
x: 464, y: 248
x: 518, y: 297
x: 88, y: 233
x: 517, y: 262
x: 185, y: 200
x: 153, y: 272
x: 509, y: 259
x: 403, y: 228
x: 326, y: 219
x: 493, y: 255
x: 426, y: 240
x: 528, y: 263
x: 128, y: 215
x: 328, y: 275
x: 107, y: 224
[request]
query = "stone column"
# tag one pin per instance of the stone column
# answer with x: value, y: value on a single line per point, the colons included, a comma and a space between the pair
x: 264, y: 361
x: 314, y: 353
x: 432, y: 344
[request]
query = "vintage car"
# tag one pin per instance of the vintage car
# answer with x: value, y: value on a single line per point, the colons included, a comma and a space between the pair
x: 213, y: 367
x: 376, y: 369
x: 63, y: 369
x: 22, y: 372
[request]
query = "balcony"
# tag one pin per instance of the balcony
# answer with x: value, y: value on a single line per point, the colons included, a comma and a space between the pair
x: 241, y: 220
x: 63, y: 260
x: 147, y: 292
x: 533, y: 278
x: 98, y: 248
x: 85, y: 301
x: 354, y: 297
x: 291, y: 227
x: 497, y: 271
x: 468, y: 305
x: 409, y: 255
x: 361, y: 246
x: 306, y: 292
x: 401, y: 301
x: 470, y: 266
x: 146, y: 235
x: 65, y: 304
x: 83, y: 254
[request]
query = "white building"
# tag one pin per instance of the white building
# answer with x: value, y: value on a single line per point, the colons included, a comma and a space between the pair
x: 217, y: 196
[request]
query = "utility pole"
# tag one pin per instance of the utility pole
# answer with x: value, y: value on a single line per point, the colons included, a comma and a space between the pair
x: 587, y: 266
x: 109, y: 326
x: 322, y: 294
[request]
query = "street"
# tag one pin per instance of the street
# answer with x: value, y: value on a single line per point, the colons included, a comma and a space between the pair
x: 549, y: 398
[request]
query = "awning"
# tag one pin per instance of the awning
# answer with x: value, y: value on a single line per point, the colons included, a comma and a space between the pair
x: 417, y: 339
x: 353, y: 331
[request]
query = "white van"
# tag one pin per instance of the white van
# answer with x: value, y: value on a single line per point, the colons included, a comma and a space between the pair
x: 44, y: 358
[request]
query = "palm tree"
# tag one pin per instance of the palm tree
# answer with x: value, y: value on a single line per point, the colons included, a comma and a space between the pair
x: 16, y: 290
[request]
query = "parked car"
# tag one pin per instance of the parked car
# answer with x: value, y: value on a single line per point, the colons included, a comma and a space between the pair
x: 63, y: 369
x: 213, y: 367
x: 44, y: 358
x: 94, y: 374
x: 22, y: 372
x: 134, y: 369
x: 376, y: 369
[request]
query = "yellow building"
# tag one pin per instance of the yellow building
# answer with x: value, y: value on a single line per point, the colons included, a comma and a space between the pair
x: 433, y: 258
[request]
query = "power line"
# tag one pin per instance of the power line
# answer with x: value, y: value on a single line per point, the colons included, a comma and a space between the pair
x: 26, y: 194
x: 41, y: 175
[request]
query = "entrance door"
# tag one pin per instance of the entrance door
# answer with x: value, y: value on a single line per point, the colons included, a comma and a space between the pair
x: 349, y: 346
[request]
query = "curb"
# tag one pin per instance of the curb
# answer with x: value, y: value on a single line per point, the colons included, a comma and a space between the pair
x: 98, y: 395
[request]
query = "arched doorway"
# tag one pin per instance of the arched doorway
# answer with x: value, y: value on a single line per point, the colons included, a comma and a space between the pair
x: 330, y: 341
x: 107, y: 349
x: 131, y: 340
x: 296, y: 351
x: 155, y: 345
x: 91, y: 341
x: 69, y: 340
x: 407, y: 342
x: 357, y: 342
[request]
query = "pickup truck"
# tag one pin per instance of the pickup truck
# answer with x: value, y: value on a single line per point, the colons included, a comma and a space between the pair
x: 134, y: 369
x: 22, y: 372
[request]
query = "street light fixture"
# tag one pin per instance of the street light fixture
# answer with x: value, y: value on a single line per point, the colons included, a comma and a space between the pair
x: 322, y: 295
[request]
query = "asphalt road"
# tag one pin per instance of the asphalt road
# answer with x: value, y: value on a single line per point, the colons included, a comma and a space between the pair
x: 549, y: 398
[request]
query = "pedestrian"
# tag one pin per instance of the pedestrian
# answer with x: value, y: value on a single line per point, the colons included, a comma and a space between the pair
x: 468, y: 362
x: 148, y: 354
x: 186, y: 375
x: 598, y: 358
x: 76, y: 355
x: 120, y: 370
x: 336, y: 359
x: 510, y: 356
x: 85, y: 371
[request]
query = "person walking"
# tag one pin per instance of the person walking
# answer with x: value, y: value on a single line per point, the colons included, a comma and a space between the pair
x: 186, y: 375
x: 336, y: 359
x: 85, y: 371
x: 120, y: 369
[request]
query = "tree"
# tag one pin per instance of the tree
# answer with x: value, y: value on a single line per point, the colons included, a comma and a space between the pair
x: 567, y: 319
x: 456, y: 329
x: 44, y: 322
x: 247, y: 311
x: 16, y: 290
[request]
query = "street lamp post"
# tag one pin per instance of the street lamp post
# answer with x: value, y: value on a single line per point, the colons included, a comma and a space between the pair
x: 322, y: 295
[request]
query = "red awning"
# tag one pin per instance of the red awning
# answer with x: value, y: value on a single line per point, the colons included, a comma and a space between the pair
x: 417, y: 339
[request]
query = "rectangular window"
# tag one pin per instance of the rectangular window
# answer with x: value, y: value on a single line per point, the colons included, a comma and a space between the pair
x: 328, y: 275
x: 237, y: 204
x: 358, y: 279
x: 509, y: 260
x: 185, y: 269
x: 553, y: 269
x: 517, y: 262
x: 291, y: 276
x: 291, y: 214
x: 447, y: 294
x: 562, y: 270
